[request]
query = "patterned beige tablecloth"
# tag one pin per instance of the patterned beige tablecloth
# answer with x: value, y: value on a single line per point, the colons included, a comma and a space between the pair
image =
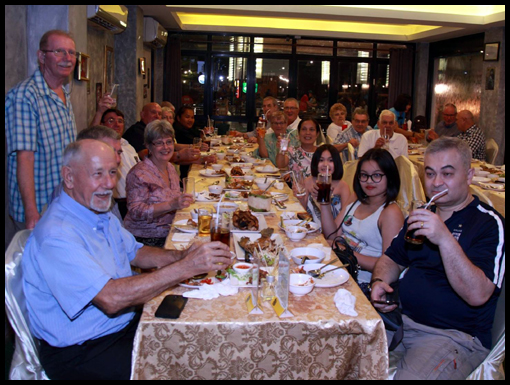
x: 218, y: 339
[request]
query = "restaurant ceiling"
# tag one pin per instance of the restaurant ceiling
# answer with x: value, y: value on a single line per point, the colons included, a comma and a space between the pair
x: 410, y: 23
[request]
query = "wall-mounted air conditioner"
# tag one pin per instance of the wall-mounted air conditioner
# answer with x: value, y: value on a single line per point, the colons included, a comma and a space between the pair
x: 110, y: 17
x: 155, y: 35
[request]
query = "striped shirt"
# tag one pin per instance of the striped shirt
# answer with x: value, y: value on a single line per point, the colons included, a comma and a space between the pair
x: 36, y: 120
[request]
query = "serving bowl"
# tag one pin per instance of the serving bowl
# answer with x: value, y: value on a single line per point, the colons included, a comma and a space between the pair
x: 296, y: 233
x: 314, y: 255
x: 215, y: 189
x: 263, y: 183
x: 217, y: 167
x: 301, y: 284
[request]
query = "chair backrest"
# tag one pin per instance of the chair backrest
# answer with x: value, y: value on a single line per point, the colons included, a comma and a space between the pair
x: 25, y: 362
x: 349, y: 171
x: 498, y: 327
x: 491, y: 150
x: 350, y: 150
x: 410, y: 184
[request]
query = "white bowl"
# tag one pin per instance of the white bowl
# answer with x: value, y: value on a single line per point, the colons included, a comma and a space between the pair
x: 301, y: 284
x: 234, y: 194
x: 217, y: 167
x: 228, y: 207
x: 262, y: 184
x: 215, y: 189
x: 249, y: 178
x: 194, y: 215
x: 296, y: 233
x: 221, y: 155
x: 314, y: 255
x: 244, y: 273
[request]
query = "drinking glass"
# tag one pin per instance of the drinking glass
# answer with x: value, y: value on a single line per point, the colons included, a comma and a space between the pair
x: 324, y: 184
x: 220, y: 229
x: 112, y: 91
x: 204, y: 221
x: 189, y: 186
x: 299, y: 183
x: 284, y: 144
x: 410, y: 236
x: 197, y: 143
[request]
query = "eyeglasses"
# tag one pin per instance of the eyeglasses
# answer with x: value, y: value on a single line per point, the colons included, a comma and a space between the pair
x: 60, y: 52
x: 356, y: 121
x: 376, y: 178
x: 113, y: 120
x: 449, y: 115
x: 161, y: 143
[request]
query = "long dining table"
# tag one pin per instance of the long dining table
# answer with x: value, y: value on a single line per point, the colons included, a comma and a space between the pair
x: 218, y: 339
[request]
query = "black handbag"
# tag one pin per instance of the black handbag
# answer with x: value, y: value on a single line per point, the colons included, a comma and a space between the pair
x: 346, y: 257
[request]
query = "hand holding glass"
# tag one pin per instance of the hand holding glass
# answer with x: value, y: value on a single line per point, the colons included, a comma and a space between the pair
x: 410, y: 235
x: 324, y: 184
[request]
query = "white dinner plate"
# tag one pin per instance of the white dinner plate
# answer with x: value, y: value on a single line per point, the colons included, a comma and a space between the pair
x: 493, y: 186
x: 239, y: 251
x: 183, y: 226
x: 261, y: 170
x: 205, y: 196
x: 210, y: 174
x: 335, y: 278
x: 293, y: 222
x: 480, y: 179
x: 210, y: 276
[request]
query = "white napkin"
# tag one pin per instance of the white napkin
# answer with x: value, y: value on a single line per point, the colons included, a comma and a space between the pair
x: 212, y: 291
x: 345, y: 302
x: 183, y: 237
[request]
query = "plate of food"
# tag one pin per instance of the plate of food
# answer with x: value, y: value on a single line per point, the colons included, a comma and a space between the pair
x: 186, y: 226
x: 269, y: 169
x: 266, y: 242
x: 333, y: 279
x: 203, y: 279
x: 493, y: 186
x: 206, y: 196
x: 246, y: 222
x: 310, y: 226
x: 234, y: 195
x: 210, y: 173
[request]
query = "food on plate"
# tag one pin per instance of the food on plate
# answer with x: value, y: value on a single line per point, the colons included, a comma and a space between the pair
x: 265, y: 248
x: 237, y: 171
x: 259, y: 202
x: 237, y: 184
x: 304, y: 215
x: 245, y: 220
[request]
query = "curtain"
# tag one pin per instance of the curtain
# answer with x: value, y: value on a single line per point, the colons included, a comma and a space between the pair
x: 172, y: 79
x: 401, y: 74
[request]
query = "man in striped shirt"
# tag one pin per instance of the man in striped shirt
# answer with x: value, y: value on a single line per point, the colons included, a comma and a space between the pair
x: 39, y: 124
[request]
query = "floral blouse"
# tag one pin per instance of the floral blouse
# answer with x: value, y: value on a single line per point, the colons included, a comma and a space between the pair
x: 145, y: 188
x: 300, y: 160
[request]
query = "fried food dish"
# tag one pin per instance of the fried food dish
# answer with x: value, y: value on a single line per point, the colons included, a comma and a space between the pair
x: 245, y: 220
x: 264, y: 243
x: 237, y: 171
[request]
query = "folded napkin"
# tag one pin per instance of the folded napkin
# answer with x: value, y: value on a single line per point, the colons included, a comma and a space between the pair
x: 183, y: 237
x: 345, y: 302
x: 212, y: 291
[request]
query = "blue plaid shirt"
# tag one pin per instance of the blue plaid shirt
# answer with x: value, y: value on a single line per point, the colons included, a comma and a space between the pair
x: 36, y: 120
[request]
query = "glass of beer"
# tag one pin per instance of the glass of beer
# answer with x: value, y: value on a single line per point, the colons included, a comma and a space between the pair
x: 204, y: 221
x: 324, y: 184
x: 410, y: 235
x: 220, y: 229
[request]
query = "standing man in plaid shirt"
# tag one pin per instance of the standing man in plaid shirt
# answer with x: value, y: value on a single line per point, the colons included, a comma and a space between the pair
x: 39, y: 124
x: 471, y: 133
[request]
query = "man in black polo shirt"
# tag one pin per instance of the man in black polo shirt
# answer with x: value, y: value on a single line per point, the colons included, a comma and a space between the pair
x: 449, y: 293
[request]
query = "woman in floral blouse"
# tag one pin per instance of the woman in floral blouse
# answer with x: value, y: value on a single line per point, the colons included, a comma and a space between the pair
x: 299, y: 159
x: 152, y: 188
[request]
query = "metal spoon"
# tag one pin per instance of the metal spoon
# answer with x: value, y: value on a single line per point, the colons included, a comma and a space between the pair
x: 268, y: 187
x: 316, y: 272
x: 336, y: 268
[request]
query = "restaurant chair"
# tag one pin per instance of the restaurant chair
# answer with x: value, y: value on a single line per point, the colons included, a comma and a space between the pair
x: 25, y: 362
x: 410, y: 184
x: 492, y: 367
x: 349, y: 171
x: 329, y: 140
x: 491, y: 150
x: 350, y: 150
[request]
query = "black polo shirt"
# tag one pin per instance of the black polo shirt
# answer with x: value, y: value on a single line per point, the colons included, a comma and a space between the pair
x: 135, y: 136
x: 425, y: 293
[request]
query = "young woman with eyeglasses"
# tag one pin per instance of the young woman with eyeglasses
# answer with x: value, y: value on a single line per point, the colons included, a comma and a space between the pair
x: 373, y: 218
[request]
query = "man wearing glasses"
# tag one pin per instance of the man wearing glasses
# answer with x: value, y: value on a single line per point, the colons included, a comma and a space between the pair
x: 446, y: 127
x: 39, y: 124
x: 353, y: 134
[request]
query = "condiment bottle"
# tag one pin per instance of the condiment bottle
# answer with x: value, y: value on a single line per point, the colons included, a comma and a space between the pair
x: 268, y: 288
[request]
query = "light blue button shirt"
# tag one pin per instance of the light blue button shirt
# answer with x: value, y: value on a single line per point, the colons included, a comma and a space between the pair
x: 70, y: 256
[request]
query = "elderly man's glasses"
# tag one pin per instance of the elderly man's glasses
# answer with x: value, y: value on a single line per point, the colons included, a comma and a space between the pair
x: 376, y: 178
x: 59, y: 52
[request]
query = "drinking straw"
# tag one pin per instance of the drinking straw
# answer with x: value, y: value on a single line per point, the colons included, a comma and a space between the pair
x: 218, y: 211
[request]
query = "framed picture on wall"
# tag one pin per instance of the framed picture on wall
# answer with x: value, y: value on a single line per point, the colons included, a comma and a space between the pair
x: 82, y: 67
x: 491, y: 52
x: 108, y: 67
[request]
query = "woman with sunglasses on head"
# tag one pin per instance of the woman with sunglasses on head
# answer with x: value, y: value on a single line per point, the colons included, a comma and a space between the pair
x: 372, y: 219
